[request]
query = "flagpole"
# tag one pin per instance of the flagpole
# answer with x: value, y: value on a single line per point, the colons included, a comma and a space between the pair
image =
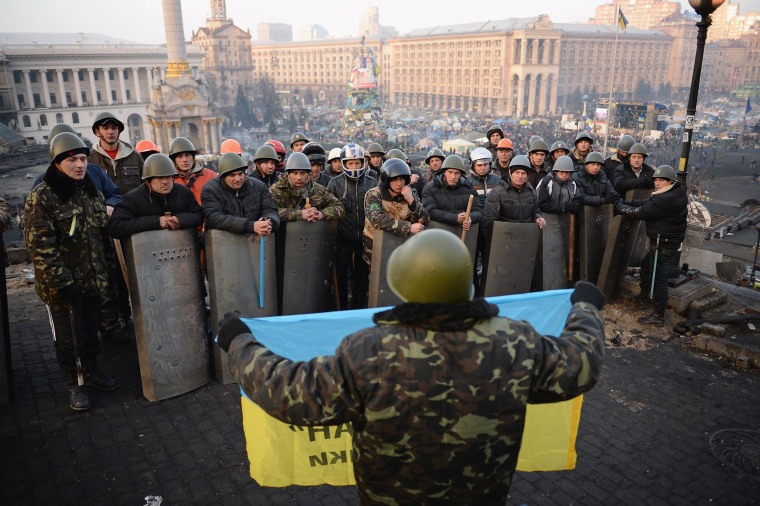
x: 612, y: 81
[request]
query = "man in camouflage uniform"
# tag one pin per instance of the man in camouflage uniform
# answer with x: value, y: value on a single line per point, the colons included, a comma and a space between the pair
x: 300, y: 199
x: 65, y: 224
x: 437, y: 390
x: 393, y: 206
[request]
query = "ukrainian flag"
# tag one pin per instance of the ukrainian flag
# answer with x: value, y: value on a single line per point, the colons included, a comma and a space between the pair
x: 621, y: 20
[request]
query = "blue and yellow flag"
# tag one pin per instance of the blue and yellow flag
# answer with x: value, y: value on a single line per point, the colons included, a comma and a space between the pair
x: 621, y: 20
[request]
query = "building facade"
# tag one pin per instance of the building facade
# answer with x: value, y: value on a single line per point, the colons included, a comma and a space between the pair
x: 70, y: 78
x: 643, y: 14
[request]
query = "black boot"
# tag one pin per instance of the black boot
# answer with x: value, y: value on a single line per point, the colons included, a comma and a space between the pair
x: 100, y: 381
x: 654, y: 318
x: 78, y: 398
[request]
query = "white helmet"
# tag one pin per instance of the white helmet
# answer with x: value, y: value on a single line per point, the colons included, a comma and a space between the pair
x: 479, y: 154
x: 353, y: 152
x: 334, y: 153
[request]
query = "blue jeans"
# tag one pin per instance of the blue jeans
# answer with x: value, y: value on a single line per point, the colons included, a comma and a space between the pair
x: 666, y: 252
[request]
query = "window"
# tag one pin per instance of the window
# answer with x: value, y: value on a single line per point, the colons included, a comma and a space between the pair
x: 81, y: 75
x: 68, y: 98
x: 129, y: 95
x: 27, y: 122
x: 43, y: 120
x: 53, y: 99
x: 110, y: 74
x: 65, y: 76
x: 95, y: 73
x: 98, y: 96
x: 17, y: 76
x: 59, y: 118
x: 33, y: 76
x: 113, y: 95
x: 20, y: 99
x: 49, y: 76
x: 84, y: 97
x: 126, y: 74
x: 37, y: 101
x: 75, y: 117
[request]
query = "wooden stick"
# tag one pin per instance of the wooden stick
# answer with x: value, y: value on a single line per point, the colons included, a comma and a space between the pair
x: 467, y: 215
x: 570, y: 249
x: 122, y: 263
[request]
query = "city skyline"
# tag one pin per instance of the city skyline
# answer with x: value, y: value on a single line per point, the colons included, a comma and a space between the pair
x: 80, y: 16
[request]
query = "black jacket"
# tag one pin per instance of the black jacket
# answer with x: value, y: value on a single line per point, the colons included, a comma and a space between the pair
x: 235, y: 211
x: 267, y: 180
x: 595, y: 190
x: 625, y: 179
x: 140, y: 210
x: 444, y: 203
x: 351, y: 193
x: 555, y: 197
x: 665, y: 214
x: 507, y: 203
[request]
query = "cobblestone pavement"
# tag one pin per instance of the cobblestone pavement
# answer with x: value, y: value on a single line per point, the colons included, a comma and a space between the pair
x: 643, y: 438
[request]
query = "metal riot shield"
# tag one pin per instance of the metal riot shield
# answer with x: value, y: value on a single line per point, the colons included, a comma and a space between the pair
x: 470, y: 240
x: 305, y: 259
x: 380, y: 294
x: 626, y: 245
x: 502, y: 274
x: 555, y: 251
x: 233, y: 265
x: 165, y: 286
x: 593, y: 230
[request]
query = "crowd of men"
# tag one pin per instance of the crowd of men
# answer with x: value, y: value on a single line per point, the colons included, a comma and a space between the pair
x: 87, y: 198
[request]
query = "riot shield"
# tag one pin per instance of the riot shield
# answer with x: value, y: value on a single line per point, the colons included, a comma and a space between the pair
x: 508, y: 266
x: 555, y: 251
x: 170, y: 319
x: 626, y: 245
x: 380, y: 294
x: 305, y: 258
x: 593, y: 230
x: 470, y: 240
x: 233, y: 265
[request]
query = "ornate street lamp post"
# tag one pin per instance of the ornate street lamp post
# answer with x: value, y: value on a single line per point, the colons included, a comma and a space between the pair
x: 704, y: 8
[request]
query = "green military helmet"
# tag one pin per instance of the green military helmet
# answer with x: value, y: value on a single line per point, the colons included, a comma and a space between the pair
x: 434, y: 153
x: 594, y: 157
x: 65, y: 145
x: 298, y: 136
x: 105, y: 117
x: 538, y: 145
x: 454, y: 162
x: 557, y: 146
x: 564, y: 164
x: 625, y: 143
x: 265, y: 152
x: 181, y: 145
x: 396, y: 153
x: 59, y: 128
x: 666, y: 172
x: 297, y: 161
x: 158, y: 165
x: 583, y: 135
x: 230, y: 162
x: 375, y: 148
x: 432, y: 266
x: 520, y: 162
x: 638, y: 149
x: 493, y: 129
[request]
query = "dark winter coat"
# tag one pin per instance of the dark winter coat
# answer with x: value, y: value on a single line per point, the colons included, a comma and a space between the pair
x: 665, y: 213
x: 444, y: 202
x: 484, y: 185
x: 141, y: 209
x: 507, y: 203
x: 351, y: 194
x: 626, y: 179
x: 595, y: 190
x: 556, y: 197
x: 236, y: 211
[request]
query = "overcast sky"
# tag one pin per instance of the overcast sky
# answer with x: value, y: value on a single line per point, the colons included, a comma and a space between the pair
x: 142, y: 20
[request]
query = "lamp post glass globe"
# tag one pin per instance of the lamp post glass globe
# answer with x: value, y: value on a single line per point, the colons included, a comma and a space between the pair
x: 705, y: 7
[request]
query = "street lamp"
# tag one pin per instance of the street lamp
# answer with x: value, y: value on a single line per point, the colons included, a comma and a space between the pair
x: 704, y: 8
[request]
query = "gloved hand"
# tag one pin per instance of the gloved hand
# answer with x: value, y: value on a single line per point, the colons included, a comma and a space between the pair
x: 230, y: 327
x: 71, y: 293
x: 610, y: 198
x: 587, y: 292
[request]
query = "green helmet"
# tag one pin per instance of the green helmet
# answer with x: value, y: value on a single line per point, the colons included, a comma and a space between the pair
x: 375, y: 148
x: 105, y: 117
x: 434, y: 153
x: 665, y: 171
x: 454, y: 162
x: 65, y: 145
x: 557, y: 146
x: 297, y: 161
x: 396, y: 153
x: 564, y: 164
x: 265, y: 152
x: 158, y: 165
x: 638, y: 149
x: 181, y: 145
x: 583, y: 135
x: 538, y: 144
x: 59, y: 128
x: 594, y: 156
x: 432, y: 266
x: 520, y: 162
x: 625, y: 143
x: 230, y: 162
x: 494, y: 129
x: 298, y: 136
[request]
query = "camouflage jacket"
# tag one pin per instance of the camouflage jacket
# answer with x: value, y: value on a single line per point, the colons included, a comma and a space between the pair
x: 65, y: 230
x: 381, y: 211
x: 291, y: 202
x: 436, y: 393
